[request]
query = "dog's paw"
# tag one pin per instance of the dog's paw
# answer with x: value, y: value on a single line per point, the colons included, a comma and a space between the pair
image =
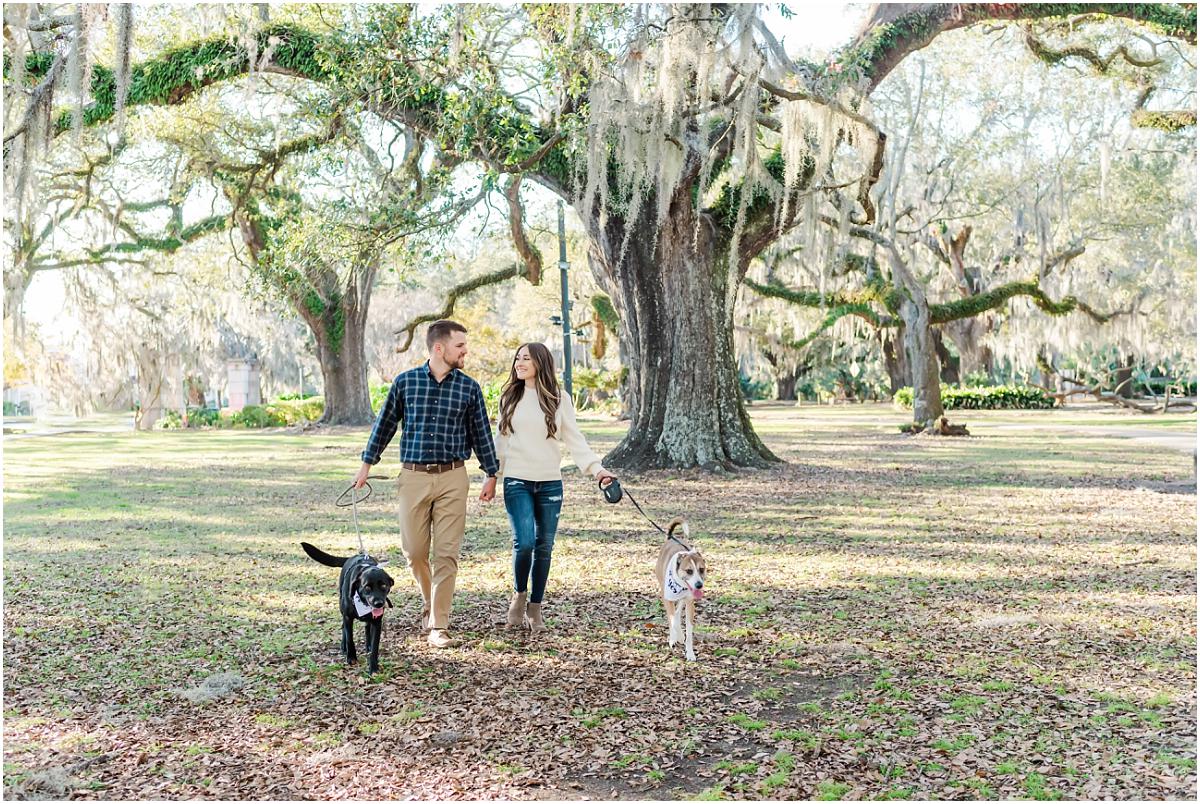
x: 691, y: 655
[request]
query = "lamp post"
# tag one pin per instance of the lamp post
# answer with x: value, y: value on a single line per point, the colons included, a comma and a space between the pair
x: 566, y: 304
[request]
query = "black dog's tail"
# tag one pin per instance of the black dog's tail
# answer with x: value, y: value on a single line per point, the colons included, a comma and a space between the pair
x: 322, y: 557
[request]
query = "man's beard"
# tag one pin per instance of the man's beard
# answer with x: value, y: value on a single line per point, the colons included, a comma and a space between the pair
x: 457, y: 363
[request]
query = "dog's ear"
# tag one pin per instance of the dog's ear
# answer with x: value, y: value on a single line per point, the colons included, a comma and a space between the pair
x: 361, y: 577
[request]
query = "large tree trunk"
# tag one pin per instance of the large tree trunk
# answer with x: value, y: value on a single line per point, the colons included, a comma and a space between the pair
x: 787, y: 373
x: 337, y: 319
x: 785, y: 386
x: 336, y: 314
x: 150, y: 367
x: 922, y: 356
x: 344, y: 374
x: 918, y: 346
x: 673, y: 293
x: 1123, y: 379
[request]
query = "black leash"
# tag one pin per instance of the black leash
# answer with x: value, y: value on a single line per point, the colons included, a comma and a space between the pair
x: 613, y: 493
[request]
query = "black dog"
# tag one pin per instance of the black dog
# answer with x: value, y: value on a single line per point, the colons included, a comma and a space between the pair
x: 364, y: 588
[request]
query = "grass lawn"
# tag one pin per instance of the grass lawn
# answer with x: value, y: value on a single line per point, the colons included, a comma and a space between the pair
x: 1010, y: 615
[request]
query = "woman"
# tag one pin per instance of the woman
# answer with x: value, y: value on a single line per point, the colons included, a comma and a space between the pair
x: 534, y: 418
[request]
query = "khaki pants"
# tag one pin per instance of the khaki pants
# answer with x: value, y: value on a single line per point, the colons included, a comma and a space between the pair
x: 433, y: 514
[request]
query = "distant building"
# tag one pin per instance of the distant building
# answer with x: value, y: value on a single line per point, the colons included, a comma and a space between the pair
x: 24, y: 399
x: 244, y: 383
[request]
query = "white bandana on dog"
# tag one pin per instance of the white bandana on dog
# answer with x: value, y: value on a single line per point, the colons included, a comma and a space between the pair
x: 673, y: 588
x: 364, y: 608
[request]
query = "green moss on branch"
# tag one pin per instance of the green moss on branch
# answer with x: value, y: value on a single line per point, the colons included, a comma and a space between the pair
x: 975, y: 305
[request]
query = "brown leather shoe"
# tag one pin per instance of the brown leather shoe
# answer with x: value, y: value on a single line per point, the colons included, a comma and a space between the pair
x: 534, y: 610
x: 438, y: 638
x: 516, y: 610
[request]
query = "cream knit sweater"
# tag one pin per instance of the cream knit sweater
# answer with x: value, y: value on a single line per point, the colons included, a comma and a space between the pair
x: 528, y: 454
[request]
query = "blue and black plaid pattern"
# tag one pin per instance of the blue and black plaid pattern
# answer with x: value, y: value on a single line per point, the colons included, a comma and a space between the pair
x: 442, y: 421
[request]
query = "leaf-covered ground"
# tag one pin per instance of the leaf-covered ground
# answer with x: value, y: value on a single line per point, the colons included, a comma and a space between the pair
x: 1009, y: 615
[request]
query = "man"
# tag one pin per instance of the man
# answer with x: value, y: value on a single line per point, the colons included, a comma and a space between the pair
x: 444, y: 419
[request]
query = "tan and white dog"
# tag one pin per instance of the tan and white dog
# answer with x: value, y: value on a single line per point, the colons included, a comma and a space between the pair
x: 680, y: 572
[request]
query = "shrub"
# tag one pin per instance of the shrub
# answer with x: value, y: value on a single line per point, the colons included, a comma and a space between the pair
x: 594, y: 388
x: 379, y: 396
x: 491, y: 398
x: 172, y: 419
x: 754, y: 389
x: 596, y: 379
x: 16, y: 409
x: 204, y: 417
x: 998, y: 397
x: 295, y: 411
x: 254, y: 416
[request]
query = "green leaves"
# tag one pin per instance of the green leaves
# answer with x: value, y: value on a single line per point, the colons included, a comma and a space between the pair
x: 997, y: 397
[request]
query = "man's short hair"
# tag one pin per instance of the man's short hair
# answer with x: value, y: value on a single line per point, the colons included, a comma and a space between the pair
x: 441, y: 330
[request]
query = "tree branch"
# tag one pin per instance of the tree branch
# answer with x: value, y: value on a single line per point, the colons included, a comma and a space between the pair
x: 457, y: 292
x: 997, y: 297
x: 1053, y: 56
x: 529, y: 254
x: 894, y: 30
x: 858, y: 304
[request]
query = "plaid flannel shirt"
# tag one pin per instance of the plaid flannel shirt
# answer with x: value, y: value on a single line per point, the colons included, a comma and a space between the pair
x: 442, y: 422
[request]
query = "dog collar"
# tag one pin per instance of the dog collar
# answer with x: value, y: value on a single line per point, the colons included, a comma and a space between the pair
x: 363, y: 608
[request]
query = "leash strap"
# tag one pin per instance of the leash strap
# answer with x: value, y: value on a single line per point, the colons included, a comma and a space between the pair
x: 681, y: 544
x: 644, y: 514
x: 353, y: 505
x: 651, y: 521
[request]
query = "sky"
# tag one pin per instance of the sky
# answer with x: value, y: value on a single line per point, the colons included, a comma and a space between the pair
x: 819, y: 26
x: 814, y: 29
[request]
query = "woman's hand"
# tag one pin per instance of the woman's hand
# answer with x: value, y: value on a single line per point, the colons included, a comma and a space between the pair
x: 603, y: 475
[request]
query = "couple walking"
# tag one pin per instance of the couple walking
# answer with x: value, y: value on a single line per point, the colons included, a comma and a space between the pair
x: 444, y: 420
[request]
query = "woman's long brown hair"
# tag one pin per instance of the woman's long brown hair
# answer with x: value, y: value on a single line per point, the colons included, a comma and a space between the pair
x: 547, y: 389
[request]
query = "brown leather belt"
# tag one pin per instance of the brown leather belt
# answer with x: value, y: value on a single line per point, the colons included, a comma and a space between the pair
x: 433, y: 468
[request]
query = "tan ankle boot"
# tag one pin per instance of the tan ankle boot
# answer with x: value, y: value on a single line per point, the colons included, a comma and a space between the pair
x: 516, y: 610
x: 534, y: 610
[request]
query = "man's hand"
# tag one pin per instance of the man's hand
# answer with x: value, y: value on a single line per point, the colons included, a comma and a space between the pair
x: 361, y: 477
x: 489, y: 490
x: 603, y: 475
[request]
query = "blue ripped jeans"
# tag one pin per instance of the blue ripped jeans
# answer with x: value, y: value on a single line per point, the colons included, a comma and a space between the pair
x: 533, y: 508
